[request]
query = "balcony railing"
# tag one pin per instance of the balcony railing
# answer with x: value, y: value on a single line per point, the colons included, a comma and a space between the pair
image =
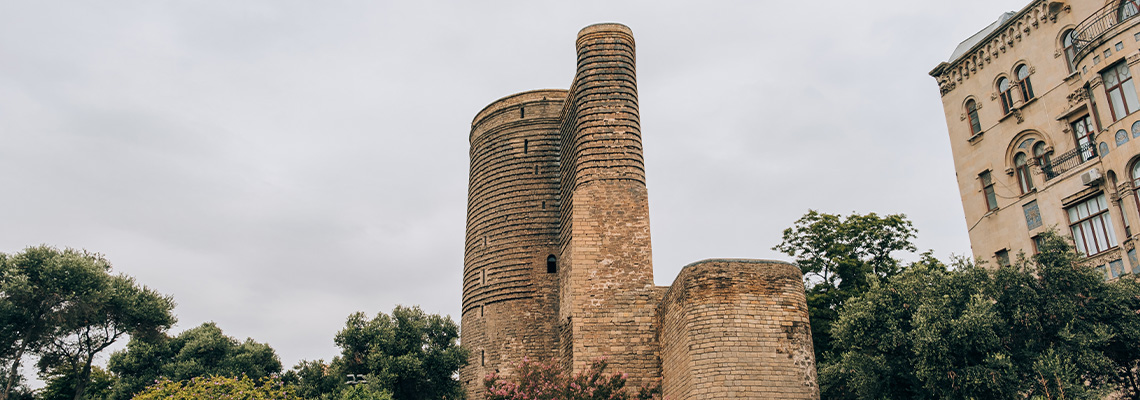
x: 1055, y: 166
x: 1091, y: 29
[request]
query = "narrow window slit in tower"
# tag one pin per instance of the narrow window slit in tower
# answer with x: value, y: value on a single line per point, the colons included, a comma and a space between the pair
x: 481, y: 311
x: 526, y: 145
x: 483, y: 358
x: 522, y: 112
x: 536, y: 170
x: 551, y: 264
x: 483, y: 277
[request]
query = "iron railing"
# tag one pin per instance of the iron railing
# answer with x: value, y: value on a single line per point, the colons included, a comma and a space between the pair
x: 1091, y: 29
x: 1053, y: 167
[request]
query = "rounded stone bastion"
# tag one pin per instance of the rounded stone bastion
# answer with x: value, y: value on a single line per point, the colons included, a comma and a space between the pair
x: 735, y: 329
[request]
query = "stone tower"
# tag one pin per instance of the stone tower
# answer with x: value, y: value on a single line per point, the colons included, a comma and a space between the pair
x: 558, y: 261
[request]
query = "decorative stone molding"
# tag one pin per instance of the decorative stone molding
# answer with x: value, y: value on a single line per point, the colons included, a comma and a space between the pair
x: 1095, y: 81
x: 1017, y: 114
x: 950, y: 74
x: 1133, y: 58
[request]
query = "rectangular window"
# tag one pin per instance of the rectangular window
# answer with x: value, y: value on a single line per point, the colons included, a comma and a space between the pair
x: 1037, y: 244
x: 1083, y: 132
x: 1002, y: 257
x: 988, y: 189
x: 1120, y: 90
x: 1091, y: 226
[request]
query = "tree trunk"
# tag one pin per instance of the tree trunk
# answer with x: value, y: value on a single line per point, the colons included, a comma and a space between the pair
x: 13, y: 373
x: 82, y: 378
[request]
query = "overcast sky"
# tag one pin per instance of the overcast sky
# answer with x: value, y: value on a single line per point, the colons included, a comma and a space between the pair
x: 277, y: 165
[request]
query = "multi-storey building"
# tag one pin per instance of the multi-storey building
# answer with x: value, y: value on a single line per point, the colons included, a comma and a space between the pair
x: 557, y: 262
x: 1041, y: 108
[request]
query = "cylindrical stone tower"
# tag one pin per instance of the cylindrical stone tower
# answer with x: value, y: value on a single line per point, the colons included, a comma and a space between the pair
x: 509, y: 278
x: 606, y: 304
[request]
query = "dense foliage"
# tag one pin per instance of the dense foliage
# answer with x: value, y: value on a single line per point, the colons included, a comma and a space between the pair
x: 412, y: 354
x: 218, y: 387
x: 198, y: 352
x: 1045, y: 327
x: 65, y: 306
x: 840, y: 259
x: 534, y: 380
x: 61, y: 385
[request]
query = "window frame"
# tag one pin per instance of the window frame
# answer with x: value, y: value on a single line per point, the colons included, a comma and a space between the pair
x: 1006, y: 94
x: 1121, y: 10
x: 1069, y: 48
x: 988, y: 193
x: 1124, y: 88
x: 972, y: 116
x: 1136, y: 183
x: 1090, y: 133
x: 1021, y: 168
x: 1088, y: 224
x: 1023, y: 82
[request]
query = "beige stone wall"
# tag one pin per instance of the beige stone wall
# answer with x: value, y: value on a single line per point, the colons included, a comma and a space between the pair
x: 509, y: 299
x: 737, y: 329
x: 1033, y: 37
x: 562, y: 173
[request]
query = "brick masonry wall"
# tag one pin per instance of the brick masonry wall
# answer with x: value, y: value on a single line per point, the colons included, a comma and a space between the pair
x: 509, y: 299
x: 562, y: 173
x: 736, y: 329
x: 607, y: 288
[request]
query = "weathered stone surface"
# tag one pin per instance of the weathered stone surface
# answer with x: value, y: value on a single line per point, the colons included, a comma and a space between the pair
x: 560, y: 175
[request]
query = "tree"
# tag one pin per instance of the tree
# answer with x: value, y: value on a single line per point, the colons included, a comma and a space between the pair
x: 65, y: 306
x: 201, y: 351
x: 410, y: 353
x: 61, y: 385
x: 840, y: 258
x: 314, y: 379
x: 218, y: 387
x: 1046, y: 327
x: 547, y: 381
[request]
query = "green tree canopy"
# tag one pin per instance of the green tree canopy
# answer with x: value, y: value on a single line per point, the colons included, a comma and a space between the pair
x: 218, y: 387
x: 61, y: 384
x: 840, y: 258
x: 66, y: 307
x: 198, y: 352
x: 412, y: 354
x: 1046, y: 327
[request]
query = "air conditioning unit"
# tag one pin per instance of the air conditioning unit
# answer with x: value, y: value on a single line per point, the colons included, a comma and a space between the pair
x: 1092, y: 177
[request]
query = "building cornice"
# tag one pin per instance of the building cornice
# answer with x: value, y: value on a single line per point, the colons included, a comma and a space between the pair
x: 952, y: 73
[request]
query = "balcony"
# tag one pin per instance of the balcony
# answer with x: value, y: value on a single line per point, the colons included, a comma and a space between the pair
x: 1055, y: 166
x: 1087, y: 33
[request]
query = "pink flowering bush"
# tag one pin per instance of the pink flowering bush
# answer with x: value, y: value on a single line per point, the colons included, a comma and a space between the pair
x: 534, y: 380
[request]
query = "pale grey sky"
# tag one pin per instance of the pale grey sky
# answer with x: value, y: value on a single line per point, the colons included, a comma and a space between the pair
x: 277, y: 165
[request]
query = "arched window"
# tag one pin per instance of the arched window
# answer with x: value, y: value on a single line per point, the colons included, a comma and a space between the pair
x: 551, y: 264
x: 1041, y: 155
x: 1070, y: 49
x: 1021, y: 165
x: 1006, y: 95
x: 972, y: 114
x: 1136, y: 181
x: 1128, y: 9
x: 1023, y: 82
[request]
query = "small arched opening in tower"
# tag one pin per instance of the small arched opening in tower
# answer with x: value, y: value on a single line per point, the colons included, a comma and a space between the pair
x: 551, y: 264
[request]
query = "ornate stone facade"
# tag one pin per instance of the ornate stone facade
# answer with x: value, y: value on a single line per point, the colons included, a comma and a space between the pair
x: 558, y: 263
x: 1041, y: 109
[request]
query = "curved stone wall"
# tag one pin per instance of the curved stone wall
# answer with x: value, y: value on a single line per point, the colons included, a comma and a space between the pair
x: 737, y: 329
x: 509, y: 300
